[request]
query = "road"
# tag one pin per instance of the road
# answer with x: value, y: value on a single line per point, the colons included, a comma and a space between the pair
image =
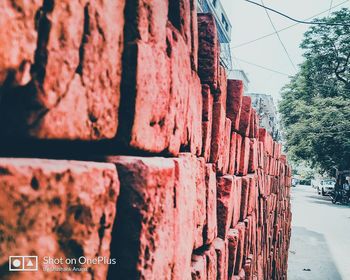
x: 320, y: 243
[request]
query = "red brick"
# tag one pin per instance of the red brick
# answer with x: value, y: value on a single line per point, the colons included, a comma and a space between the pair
x: 253, y: 156
x: 65, y: 60
x: 185, y: 200
x: 183, y: 15
x: 18, y: 35
x: 254, y: 229
x: 238, y: 153
x: 266, y: 138
x: 221, y: 248
x: 192, y: 139
x: 157, y: 207
x: 244, y: 121
x: 194, y: 35
x: 283, y: 158
x: 224, y: 204
x: 211, y: 262
x: 277, y: 150
x: 242, y: 275
x: 210, y: 229
x: 184, y: 99
x: 208, y: 64
x: 233, y: 240
x: 244, y: 159
x: 289, y: 171
x: 201, y: 202
x: 274, y: 149
x: 234, y: 101
x: 226, y: 148
x: 169, y: 119
x: 248, y: 237
x: 245, y: 197
x: 218, y: 132
x: 240, y: 247
x: 199, y: 267
x: 252, y: 123
x: 145, y: 217
x: 256, y: 126
x: 260, y: 267
x: 232, y: 154
x: 261, y: 154
x: 237, y: 194
x: 57, y: 208
x: 263, y: 135
x: 271, y: 170
x: 206, y: 147
x: 261, y: 182
x: 248, y: 269
x: 208, y: 101
x: 221, y: 94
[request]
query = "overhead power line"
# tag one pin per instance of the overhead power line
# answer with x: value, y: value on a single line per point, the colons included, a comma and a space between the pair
x: 330, y: 8
x: 285, y: 28
x: 281, y: 73
x: 279, y: 38
x: 297, y: 20
x: 263, y: 67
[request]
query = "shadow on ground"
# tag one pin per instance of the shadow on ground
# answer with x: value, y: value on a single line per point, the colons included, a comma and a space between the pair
x: 326, y: 200
x: 309, y: 257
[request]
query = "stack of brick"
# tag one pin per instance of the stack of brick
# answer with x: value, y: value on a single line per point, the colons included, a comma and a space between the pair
x: 253, y: 178
x: 187, y: 187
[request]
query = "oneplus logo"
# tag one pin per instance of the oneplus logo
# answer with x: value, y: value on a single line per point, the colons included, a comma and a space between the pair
x: 23, y: 263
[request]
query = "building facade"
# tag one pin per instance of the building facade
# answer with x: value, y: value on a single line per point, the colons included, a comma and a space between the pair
x: 223, y: 25
x: 267, y: 112
x: 238, y: 74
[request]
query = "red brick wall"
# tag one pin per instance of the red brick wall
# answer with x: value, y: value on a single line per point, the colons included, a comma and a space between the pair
x: 182, y: 184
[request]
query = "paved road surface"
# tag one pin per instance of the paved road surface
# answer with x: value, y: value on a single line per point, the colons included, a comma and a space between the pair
x: 320, y: 244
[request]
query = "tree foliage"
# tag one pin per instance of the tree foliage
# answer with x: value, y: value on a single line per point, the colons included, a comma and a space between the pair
x: 315, y: 105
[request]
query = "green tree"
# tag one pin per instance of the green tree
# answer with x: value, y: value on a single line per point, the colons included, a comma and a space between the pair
x: 327, y: 56
x: 315, y: 105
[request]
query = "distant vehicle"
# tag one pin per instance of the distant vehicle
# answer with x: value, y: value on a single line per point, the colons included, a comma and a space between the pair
x: 304, y: 182
x: 326, y: 186
x: 314, y: 183
x: 341, y: 196
x: 342, y: 191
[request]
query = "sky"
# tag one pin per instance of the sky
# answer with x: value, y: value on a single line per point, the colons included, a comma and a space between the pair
x: 250, y: 22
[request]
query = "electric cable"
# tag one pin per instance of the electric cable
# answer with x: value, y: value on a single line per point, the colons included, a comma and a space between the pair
x: 262, y: 67
x: 297, y: 20
x: 330, y: 7
x: 285, y: 28
x: 279, y: 38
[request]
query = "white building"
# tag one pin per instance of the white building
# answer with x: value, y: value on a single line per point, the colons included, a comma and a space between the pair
x: 223, y: 26
x: 237, y: 74
x: 267, y: 112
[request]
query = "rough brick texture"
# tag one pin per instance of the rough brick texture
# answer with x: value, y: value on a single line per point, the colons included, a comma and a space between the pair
x: 207, y: 121
x: 208, y: 68
x: 204, y: 191
x: 172, y: 117
x: 244, y: 121
x: 48, y: 208
x: 234, y: 101
x: 60, y: 68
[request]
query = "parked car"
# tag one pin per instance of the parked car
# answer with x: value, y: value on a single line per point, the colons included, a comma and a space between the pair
x: 326, y: 186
